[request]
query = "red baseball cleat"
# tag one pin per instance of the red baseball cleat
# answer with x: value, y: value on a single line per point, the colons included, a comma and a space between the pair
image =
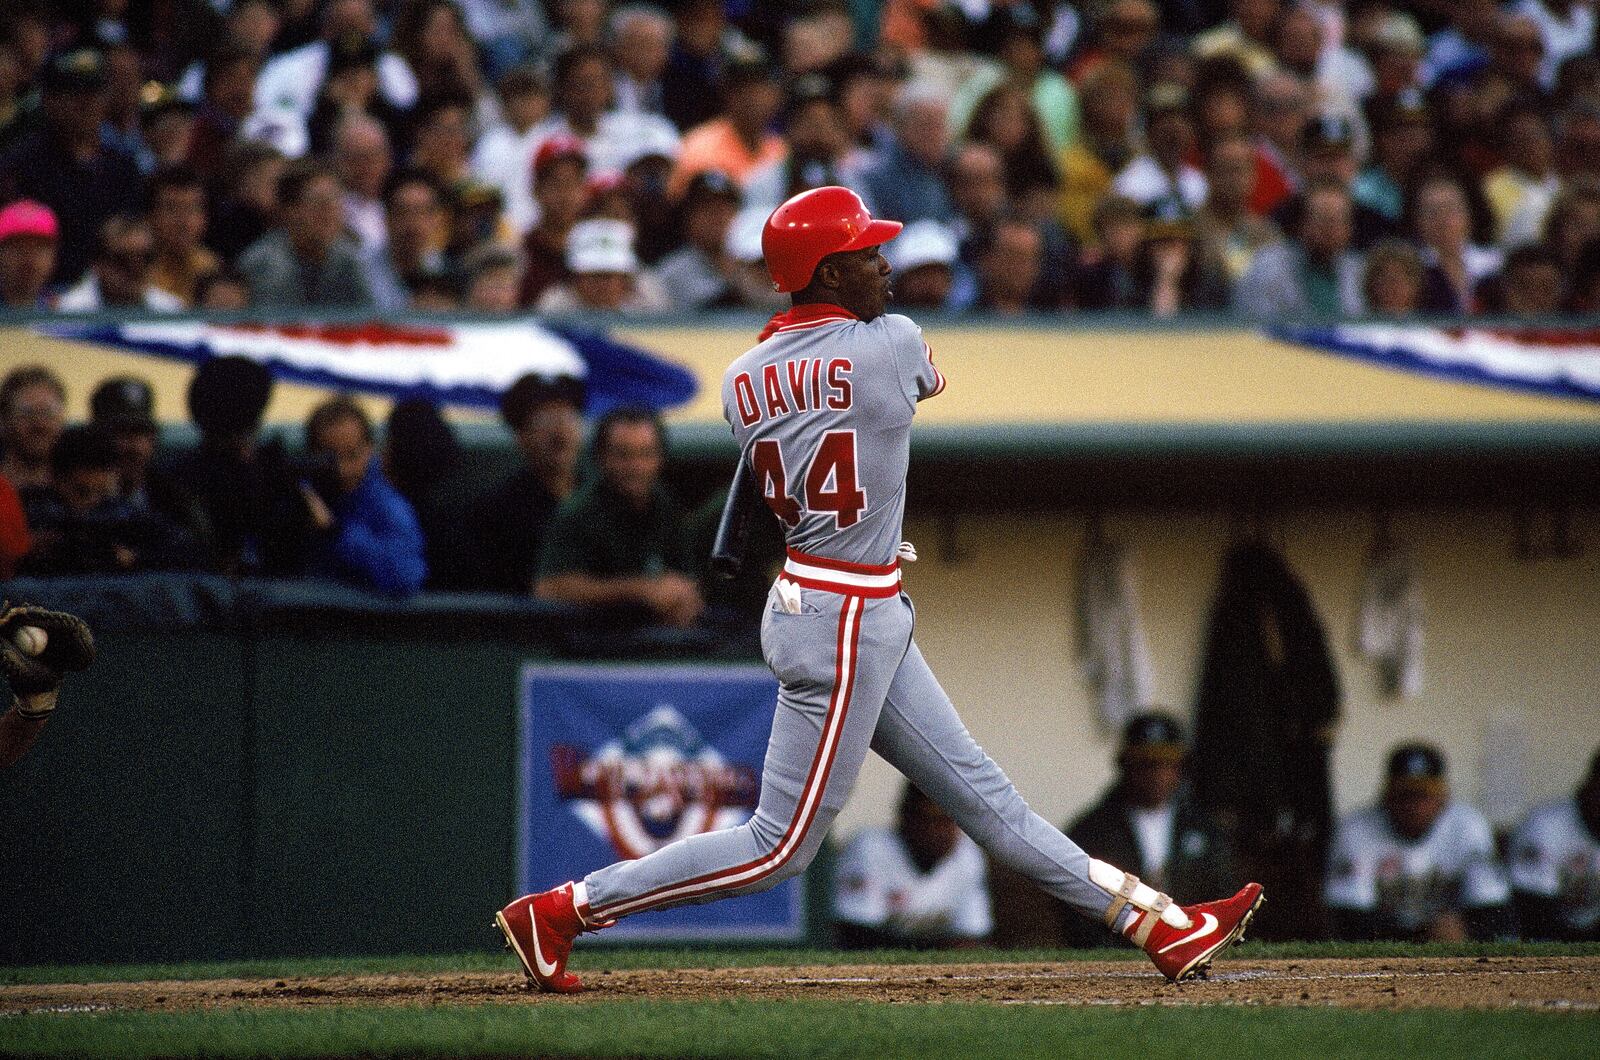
x: 540, y: 928
x: 1187, y: 952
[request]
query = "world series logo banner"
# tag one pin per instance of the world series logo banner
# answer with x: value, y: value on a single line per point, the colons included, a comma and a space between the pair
x: 617, y: 761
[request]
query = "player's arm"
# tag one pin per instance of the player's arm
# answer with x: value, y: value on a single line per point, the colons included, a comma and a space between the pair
x: 920, y: 379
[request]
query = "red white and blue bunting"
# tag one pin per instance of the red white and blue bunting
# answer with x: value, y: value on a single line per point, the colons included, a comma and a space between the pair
x: 468, y: 365
x: 1562, y: 362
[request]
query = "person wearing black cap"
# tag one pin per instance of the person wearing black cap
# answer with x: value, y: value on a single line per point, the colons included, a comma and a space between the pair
x: 125, y: 407
x: 699, y: 274
x: 64, y: 163
x: 820, y: 153
x: 545, y: 416
x: 81, y: 525
x: 256, y: 519
x: 1419, y: 866
x: 1327, y: 153
x: 1555, y: 865
x: 1147, y: 823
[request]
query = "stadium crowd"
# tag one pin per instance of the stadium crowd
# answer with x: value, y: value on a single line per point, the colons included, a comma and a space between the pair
x: 1266, y: 156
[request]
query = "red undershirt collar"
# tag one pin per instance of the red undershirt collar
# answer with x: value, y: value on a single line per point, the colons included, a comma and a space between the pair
x: 803, y: 314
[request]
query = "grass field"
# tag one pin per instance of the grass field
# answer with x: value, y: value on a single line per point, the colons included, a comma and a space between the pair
x: 656, y: 1003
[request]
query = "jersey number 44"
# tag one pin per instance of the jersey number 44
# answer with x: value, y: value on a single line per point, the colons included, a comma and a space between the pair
x: 829, y: 480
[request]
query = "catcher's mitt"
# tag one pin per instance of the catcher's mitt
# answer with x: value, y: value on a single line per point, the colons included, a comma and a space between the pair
x: 69, y: 648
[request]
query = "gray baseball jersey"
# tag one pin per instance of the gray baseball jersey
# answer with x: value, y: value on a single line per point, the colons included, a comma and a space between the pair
x: 822, y: 411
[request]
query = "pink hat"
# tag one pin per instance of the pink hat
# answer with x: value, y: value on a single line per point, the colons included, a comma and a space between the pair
x: 28, y: 218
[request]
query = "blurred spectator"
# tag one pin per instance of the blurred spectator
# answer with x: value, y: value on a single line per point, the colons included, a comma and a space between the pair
x: 819, y: 150
x: 904, y: 181
x: 442, y: 142
x: 1522, y: 188
x: 1226, y: 229
x: 1328, y: 154
x: 249, y: 200
x: 1455, y: 265
x: 177, y: 234
x: 698, y: 274
x: 977, y: 180
x: 1147, y: 822
x: 227, y: 102
x: 223, y: 291
x: 1005, y: 120
x: 1163, y: 174
x: 1420, y: 866
x: 867, y: 86
x: 1393, y: 280
x: 417, y: 230
x: 1567, y: 27
x: 350, y: 90
x: 63, y: 163
x: 641, y: 42
x: 1402, y: 140
x: 502, y: 157
x: 1020, y: 48
x: 582, y: 25
x: 1282, y: 110
x: 28, y: 239
x: 750, y: 276
x: 293, y: 78
x: 246, y: 490
x: 81, y: 526
x: 619, y: 542
x: 923, y: 883
x: 545, y: 417
x: 559, y: 171
x: 741, y: 141
x: 493, y: 275
x: 1464, y: 46
x: 1246, y: 37
x: 1121, y: 32
x: 1303, y: 44
x: 610, y: 138
x: 432, y: 38
x: 366, y: 533
x: 1109, y: 276
x: 166, y: 122
x: 362, y: 159
x: 1009, y: 257
x: 1315, y: 274
x: 1555, y: 866
x: 1396, y: 47
x: 1578, y: 140
x: 125, y: 407
x: 606, y: 275
x: 923, y: 257
x: 1174, y: 271
x: 1106, y: 146
x: 1517, y: 56
x: 308, y: 261
x: 509, y: 32
x: 1573, y: 223
x: 119, y: 276
x: 423, y: 459
x: 1530, y: 285
x: 703, y: 46
x: 33, y: 412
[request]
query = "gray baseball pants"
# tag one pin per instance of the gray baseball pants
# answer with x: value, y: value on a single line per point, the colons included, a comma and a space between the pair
x: 850, y: 677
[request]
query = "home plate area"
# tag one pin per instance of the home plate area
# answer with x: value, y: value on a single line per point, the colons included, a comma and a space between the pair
x: 1542, y: 983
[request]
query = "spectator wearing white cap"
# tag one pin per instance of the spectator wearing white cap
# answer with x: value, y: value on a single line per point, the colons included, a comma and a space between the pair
x: 750, y: 277
x: 606, y: 277
x: 923, y: 257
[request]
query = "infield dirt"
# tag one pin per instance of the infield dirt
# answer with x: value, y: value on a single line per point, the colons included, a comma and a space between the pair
x: 1543, y: 983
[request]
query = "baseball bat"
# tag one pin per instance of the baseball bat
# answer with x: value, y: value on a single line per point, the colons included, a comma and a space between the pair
x: 733, y: 528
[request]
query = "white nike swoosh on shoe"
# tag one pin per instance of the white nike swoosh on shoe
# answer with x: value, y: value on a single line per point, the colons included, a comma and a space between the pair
x: 1206, y: 929
x: 548, y: 970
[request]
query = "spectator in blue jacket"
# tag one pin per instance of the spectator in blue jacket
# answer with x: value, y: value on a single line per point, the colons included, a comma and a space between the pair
x: 367, y: 533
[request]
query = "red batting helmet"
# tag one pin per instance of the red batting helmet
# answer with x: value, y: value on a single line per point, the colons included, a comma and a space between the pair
x: 814, y: 224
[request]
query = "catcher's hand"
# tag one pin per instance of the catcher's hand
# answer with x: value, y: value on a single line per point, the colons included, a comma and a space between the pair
x: 35, y: 672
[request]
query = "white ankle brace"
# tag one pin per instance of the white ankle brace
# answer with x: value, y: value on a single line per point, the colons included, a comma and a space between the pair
x: 1126, y: 889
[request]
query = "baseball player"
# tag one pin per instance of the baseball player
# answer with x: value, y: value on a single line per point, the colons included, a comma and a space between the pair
x: 1420, y: 866
x: 37, y: 649
x: 1555, y: 866
x: 821, y: 408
